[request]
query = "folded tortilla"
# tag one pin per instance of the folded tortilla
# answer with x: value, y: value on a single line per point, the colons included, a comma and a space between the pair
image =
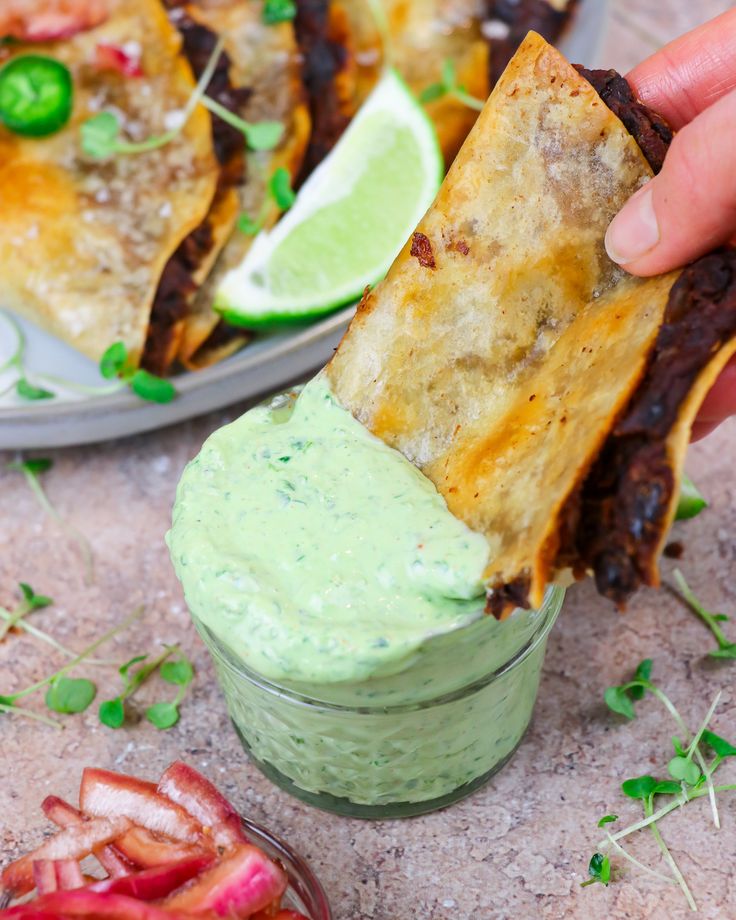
x: 84, y: 243
x: 503, y: 346
x: 423, y: 36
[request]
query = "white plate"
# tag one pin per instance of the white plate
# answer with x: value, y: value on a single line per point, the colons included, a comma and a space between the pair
x: 266, y: 365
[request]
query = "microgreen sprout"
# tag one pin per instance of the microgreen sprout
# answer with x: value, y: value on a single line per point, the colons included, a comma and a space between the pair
x: 31, y: 601
x: 115, y: 363
x: 691, y: 778
x: 63, y: 694
x: 599, y: 870
x: 448, y: 86
x: 112, y: 711
x: 100, y: 135
x: 280, y: 192
x: 726, y: 648
x: 275, y: 11
x: 32, y: 469
x: 180, y: 673
x: 690, y: 502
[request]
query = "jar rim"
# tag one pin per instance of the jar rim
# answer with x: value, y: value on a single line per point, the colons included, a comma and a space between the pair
x: 551, y: 607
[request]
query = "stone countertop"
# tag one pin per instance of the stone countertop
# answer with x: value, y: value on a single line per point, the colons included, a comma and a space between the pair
x: 516, y: 849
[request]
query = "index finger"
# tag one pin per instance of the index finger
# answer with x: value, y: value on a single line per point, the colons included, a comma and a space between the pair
x: 691, y: 73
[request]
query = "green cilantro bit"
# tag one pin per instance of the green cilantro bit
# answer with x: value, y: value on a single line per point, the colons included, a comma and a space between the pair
x: 248, y: 226
x: 112, y: 712
x: 33, y: 467
x: 152, y: 388
x: 275, y: 11
x: 181, y: 674
x: 599, y: 870
x: 114, y: 360
x: 68, y: 695
x: 100, y: 135
x: 607, y: 819
x: 280, y: 188
x: 726, y: 649
x: 115, y: 363
x: 27, y: 390
x: 690, y: 502
x: 34, y: 601
x: 162, y: 715
x: 448, y: 86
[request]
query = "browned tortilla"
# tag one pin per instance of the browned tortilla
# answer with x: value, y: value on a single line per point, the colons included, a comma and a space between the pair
x: 498, y: 356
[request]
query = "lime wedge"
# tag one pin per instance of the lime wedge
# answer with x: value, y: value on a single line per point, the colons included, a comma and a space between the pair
x: 350, y: 219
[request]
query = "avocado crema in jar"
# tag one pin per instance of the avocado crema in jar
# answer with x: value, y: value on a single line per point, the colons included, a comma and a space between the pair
x: 343, y: 606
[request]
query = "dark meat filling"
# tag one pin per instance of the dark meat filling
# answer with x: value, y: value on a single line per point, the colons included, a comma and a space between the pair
x: 510, y: 20
x: 323, y: 58
x: 177, y: 285
x: 651, y: 131
x: 626, y: 497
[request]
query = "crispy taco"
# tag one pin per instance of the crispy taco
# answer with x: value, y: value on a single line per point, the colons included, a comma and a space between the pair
x: 546, y: 393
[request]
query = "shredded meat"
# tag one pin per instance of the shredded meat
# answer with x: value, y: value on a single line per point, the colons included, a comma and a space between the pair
x: 628, y: 492
x: 171, y: 304
x: 323, y: 58
x: 515, y: 18
x: 651, y: 131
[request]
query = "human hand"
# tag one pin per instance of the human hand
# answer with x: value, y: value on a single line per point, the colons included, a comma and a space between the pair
x: 690, y: 207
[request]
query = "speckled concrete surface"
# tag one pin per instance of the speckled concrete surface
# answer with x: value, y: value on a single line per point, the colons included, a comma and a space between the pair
x: 518, y: 848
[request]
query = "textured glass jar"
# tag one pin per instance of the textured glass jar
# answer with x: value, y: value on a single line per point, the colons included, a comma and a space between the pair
x: 399, y: 745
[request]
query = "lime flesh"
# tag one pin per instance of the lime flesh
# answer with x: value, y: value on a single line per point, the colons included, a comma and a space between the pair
x: 350, y: 220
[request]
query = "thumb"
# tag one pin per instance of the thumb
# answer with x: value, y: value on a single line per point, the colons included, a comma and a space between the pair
x: 690, y: 207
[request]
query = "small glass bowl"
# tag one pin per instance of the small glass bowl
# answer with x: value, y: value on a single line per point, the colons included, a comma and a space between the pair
x: 305, y: 893
x: 362, y: 750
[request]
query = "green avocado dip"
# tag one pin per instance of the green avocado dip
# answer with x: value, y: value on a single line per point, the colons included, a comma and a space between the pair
x: 341, y: 600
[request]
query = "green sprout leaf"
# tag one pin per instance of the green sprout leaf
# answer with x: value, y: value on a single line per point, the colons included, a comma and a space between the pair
x: 599, y: 870
x: 27, y: 390
x: 722, y: 747
x: 163, y: 715
x: 607, y: 819
x: 114, y: 360
x: 640, y: 787
x: 690, y: 502
x: 275, y: 11
x: 280, y: 187
x: 34, y: 467
x: 432, y: 92
x: 248, y: 226
x: 725, y: 651
x: 684, y: 769
x: 642, y: 673
x: 100, y: 135
x: 264, y: 135
x: 67, y: 694
x: 112, y: 713
x: 34, y: 601
x: 152, y: 388
x: 679, y: 747
x: 125, y: 668
x: 618, y: 700
x: 178, y: 672
x: 666, y: 787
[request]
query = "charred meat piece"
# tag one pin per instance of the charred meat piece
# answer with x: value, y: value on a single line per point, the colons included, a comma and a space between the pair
x: 324, y: 58
x: 651, y: 131
x: 627, y: 495
x: 508, y: 21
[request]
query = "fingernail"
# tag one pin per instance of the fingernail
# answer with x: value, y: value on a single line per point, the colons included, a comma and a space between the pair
x: 634, y: 230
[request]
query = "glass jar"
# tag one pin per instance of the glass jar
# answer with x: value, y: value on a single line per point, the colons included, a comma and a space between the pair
x: 403, y: 744
x: 304, y: 894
